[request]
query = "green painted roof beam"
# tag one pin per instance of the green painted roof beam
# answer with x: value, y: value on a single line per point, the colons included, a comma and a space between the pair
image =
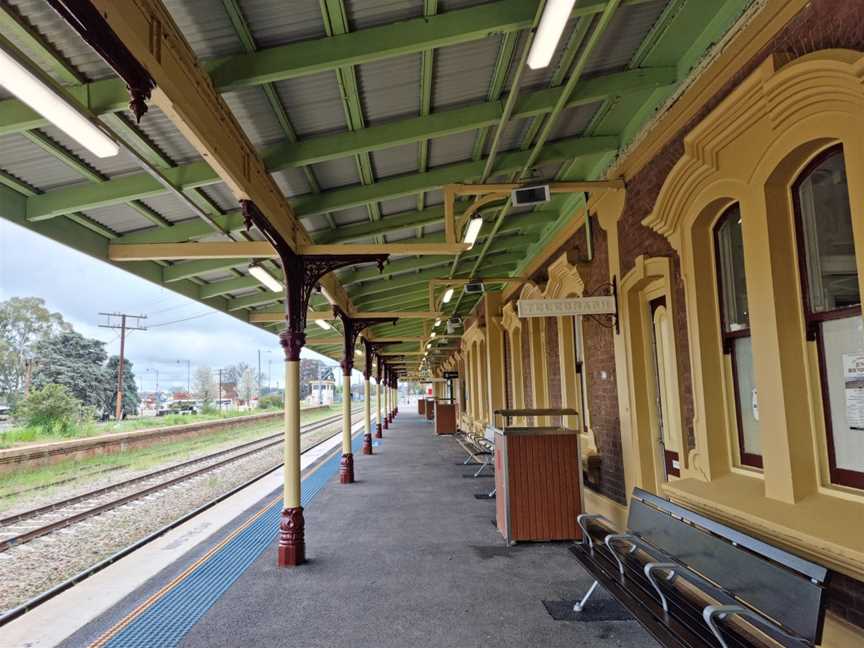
x: 187, y: 269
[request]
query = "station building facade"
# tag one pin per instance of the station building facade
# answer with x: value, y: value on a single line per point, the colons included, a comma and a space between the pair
x: 733, y: 379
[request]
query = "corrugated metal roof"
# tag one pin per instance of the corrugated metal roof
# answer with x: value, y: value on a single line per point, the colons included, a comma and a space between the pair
x: 162, y: 132
x: 398, y: 205
x: 451, y: 148
x: 573, y: 121
x: 368, y: 13
x: 390, y: 88
x: 292, y: 182
x: 221, y: 195
x: 206, y: 26
x: 625, y: 33
x: 170, y: 207
x: 511, y: 136
x: 27, y: 162
x: 434, y: 197
x: 117, y: 165
x: 314, y: 103
x: 271, y: 24
x: 315, y: 223
x: 120, y: 218
x: 64, y: 39
x: 255, y: 116
x: 462, y: 72
x: 407, y: 234
x: 351, y: 215
x: 394, y: 161
x: 336, y: 173
x: 217, y: 275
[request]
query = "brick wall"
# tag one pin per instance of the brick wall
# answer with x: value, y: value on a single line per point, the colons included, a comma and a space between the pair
x: 846, y: 598
x: 553, y: 366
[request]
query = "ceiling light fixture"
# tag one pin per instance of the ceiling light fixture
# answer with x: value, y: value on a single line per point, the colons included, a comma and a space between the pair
x: 324, y: 324
x: 473, y: 231
x: 265, y: 277
x: 448, y: 296
x: 556, y: 13
x: 54, y: 107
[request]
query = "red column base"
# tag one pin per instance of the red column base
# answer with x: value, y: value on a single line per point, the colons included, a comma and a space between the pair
x: 346, y: 469
x: 386, y: 423
x: 292, y: 537
x: 367, y: 444
x: 378, y: 434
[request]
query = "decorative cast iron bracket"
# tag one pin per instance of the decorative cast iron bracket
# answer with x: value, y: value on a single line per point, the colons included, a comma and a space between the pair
x: 302, y: 274
x: 610, y: 289
x: 85, y: 19
x: 351, y: 328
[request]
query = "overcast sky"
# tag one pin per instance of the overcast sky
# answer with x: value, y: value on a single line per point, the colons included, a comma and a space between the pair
x: 80, y: 287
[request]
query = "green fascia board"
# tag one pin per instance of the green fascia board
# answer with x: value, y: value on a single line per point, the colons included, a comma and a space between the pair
x: 411, y: 184
x: 251, y: 301
x: 185, y: 230
x: 219, y: 288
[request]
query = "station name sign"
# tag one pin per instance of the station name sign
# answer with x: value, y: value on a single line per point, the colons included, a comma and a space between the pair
x: 449, y: 375
x: 600, y: 305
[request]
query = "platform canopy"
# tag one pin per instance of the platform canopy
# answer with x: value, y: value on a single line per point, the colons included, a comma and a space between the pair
x: 359, y: 112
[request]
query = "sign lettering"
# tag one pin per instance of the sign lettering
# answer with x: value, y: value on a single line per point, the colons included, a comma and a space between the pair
x: 602, y: 305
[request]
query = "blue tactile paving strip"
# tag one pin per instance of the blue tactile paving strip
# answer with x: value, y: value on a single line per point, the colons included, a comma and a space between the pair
x: 167, y: 621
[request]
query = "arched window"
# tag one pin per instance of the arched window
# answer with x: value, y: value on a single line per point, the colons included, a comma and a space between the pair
x: 735, y: 329
x: 832, y: 306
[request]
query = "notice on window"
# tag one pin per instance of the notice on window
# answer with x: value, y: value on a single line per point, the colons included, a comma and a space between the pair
x: 853, y: 378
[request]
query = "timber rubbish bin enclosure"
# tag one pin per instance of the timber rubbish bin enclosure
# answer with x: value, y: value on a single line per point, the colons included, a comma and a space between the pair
x: 445, y: 416
x: 421, y: 405
x: 537, y: 479
x: 430, y: 409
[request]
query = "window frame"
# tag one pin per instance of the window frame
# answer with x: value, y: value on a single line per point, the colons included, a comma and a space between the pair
x: 727, y: 338
x: 813, y: 321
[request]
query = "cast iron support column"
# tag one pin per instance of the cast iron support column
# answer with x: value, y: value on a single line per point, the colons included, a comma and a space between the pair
x: 378, y: 382
x: 386, y: 397
x: 302, y: 274
x: 350, y: 330
x: 367, y: 404
x: 395, y: 395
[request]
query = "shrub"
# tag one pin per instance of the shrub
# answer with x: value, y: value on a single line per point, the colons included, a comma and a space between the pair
x: 269, y: 401
x: 52, y: 409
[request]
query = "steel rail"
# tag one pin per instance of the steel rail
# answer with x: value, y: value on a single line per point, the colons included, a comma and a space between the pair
x: 261, y: 444
x: 39, y: 599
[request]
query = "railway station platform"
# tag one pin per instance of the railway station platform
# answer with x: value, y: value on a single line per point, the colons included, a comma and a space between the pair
x: 406, y: 556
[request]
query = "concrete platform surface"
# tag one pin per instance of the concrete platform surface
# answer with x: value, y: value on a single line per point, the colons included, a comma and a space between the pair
x: 408, y: 557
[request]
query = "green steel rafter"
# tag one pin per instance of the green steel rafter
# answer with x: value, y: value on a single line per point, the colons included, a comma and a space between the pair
x: 241, y: 26
x: 336, y: 24
x: 496, y: 87
x: 427, y: 62
x: 599, y: 28
x: 199, y: 174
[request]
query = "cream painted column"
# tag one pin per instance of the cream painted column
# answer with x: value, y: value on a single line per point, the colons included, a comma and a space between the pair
x: 367, y: 416
x: 570, y: 386
x: 494, y: 355
x: 346, y: 465
x: 378, y: 399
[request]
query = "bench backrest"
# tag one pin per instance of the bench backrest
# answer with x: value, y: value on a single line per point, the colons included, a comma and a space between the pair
x: 783, y: 586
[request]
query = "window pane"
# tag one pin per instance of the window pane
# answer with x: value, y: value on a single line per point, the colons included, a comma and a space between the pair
x: 748, y: 399
x: 826, y: 224
x: 730, y: 258
x: 843, y: 341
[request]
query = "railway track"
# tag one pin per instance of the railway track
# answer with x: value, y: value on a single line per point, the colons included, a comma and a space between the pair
x: 34, y: 523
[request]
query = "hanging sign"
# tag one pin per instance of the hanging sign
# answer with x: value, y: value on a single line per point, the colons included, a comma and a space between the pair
x: 600, y: 305
x: 449, y: 375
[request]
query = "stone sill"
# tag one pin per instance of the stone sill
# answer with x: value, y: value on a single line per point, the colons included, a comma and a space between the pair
x: 825, y: 529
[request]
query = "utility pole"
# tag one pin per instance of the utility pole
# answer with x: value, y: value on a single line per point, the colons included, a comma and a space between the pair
x: 220, y: 392
x: 111, y: 321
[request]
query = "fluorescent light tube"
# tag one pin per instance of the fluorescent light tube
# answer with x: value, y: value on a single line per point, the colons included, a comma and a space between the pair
x: 437, y: 322
x: 433, y: 334
x: 473, y: 231
x: 556, y: 13
x: 448, y: 296
x: 265, y: 277
x: 324, y: 324
x: 34, y: 92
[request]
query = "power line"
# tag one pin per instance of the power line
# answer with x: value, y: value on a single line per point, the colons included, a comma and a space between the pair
x: 185, y: 319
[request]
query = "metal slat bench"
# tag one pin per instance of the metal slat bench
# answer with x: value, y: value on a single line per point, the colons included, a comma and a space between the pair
x: 693, y: 582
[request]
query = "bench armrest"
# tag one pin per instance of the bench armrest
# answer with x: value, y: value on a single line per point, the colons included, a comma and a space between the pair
x: 622, y: 538
x: 582, y: 519
x: 714, y: 612
x: 671, y: 568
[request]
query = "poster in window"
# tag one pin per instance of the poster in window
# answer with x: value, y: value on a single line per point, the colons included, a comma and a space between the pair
x: 853, y: 377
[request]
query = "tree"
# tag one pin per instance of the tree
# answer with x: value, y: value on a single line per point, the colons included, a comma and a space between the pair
x: 246, y: 387
x: 77, y: 363
x: 52, y: 408
x: 131, y: 399
x: 24, y: 322
x: 204, y: 386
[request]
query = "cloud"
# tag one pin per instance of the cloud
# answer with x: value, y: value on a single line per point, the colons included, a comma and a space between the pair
x: 80, y: 287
